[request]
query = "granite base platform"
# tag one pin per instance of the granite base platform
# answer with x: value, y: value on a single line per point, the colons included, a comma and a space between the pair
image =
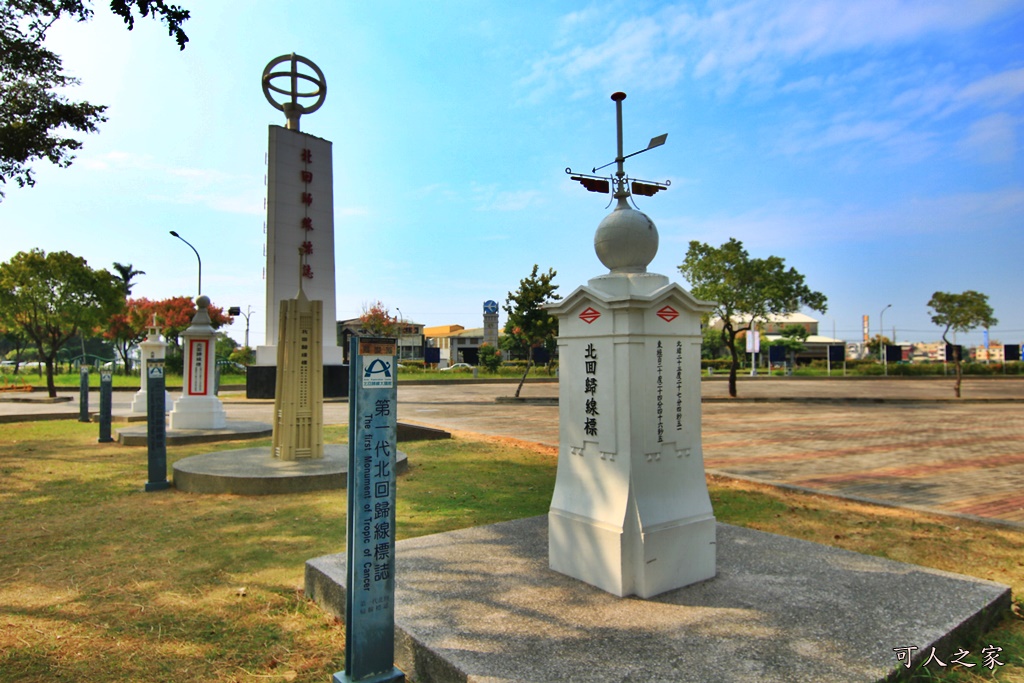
x: 232, y: 431
x: 253, y: 472
x: 481, y: 604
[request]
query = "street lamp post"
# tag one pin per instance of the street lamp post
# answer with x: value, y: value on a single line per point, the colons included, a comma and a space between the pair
x: 248, y: 312
x: 174, y: 234
x: 881, y: 349
x: 400, y: 330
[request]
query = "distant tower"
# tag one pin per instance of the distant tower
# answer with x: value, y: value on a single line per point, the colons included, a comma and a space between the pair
x: 299, y: 400
x: 491, y: 323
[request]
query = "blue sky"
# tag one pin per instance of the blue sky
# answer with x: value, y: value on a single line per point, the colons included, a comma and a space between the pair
x: 874, y: 145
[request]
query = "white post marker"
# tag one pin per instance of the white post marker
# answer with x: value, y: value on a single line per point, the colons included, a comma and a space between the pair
x: 198, y: 407
x: 630, y: 512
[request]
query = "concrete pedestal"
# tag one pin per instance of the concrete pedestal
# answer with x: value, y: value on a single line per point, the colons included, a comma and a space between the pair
x: 198, y: 412
x: 139, y: 401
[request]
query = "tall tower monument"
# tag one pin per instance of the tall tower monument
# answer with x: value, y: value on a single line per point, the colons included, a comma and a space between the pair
x: 300, y: 208
x: 630, y: 512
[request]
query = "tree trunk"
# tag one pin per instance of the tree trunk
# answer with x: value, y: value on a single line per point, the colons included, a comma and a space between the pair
x: 733, y: 367
x: 959, y: 374
x: 529, y: 364
x: 50, y: 386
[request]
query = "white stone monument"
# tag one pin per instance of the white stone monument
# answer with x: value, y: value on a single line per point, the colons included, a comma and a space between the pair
x: 199, y: 407
x: 154, y: 347
x: 300, y: 207
x: 630, y: 513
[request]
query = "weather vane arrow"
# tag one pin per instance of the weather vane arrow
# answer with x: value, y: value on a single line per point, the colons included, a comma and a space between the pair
x: 595, y: 183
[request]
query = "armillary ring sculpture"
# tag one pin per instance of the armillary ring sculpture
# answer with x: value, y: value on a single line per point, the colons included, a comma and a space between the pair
x: 292, y: 108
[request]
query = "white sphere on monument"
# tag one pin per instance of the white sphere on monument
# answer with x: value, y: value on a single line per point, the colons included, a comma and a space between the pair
x: 626, y: 240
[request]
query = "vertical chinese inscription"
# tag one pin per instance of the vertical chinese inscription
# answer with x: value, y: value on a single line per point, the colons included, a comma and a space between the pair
x: 590, y: 390
x: 370, y: 610
x: 679, y: 384
x: 306, y: 247
x: 375, y: 515
x: 660, y: 357
x: 197, y: 371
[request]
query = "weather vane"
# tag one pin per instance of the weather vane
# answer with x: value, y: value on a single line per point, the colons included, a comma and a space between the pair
x: 291, y: 107
x: 623, y: 183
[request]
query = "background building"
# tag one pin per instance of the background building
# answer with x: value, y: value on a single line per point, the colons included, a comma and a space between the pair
x: 411, y: 341
x: 456, y: 343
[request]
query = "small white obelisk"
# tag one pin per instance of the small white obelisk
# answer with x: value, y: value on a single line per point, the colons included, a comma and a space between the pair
x: 153, y: 347
x: 630, y: 513
x: 199, y: 407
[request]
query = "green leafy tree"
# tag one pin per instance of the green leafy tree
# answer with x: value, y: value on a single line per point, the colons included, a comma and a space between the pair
x: 54, y: 297
x: 224, y: 345
x: 746, y: 291
x: 530, y: 325
x: 12, y: 343
x: 960, y: 313
x: 876, y: 344
x: 489, y: 357
x: 35, y: 116
x: 711, y: 345
x: 792, y: 339
x: 244, y: 355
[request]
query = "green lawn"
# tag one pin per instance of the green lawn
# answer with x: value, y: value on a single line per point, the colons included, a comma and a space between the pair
x: 101, y: 582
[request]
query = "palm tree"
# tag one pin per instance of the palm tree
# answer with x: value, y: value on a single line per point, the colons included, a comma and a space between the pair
x: 125, y: 275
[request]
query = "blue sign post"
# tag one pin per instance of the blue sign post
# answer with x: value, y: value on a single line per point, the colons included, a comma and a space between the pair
x: 106, y: 403
x: 83, y: 393
x: 370, y: 570
x: 156, y: 427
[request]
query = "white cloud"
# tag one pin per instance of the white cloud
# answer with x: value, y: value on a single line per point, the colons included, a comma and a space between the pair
x: 734, y: 43
x: 212, y: 188
x: 995, y: 90
x: 490, y: 198
x: 815, y: 223
x: 992, y: 140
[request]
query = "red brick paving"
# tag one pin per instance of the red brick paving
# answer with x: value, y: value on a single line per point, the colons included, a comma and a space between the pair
x: 916, y: 448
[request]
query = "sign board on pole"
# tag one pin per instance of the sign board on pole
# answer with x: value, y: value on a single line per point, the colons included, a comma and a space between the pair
x: 893, y: 353
x: 753, y: 341
x: 370, y: 570
x: 836, y: 353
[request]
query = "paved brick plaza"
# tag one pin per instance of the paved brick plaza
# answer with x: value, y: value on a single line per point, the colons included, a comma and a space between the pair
x: 967, y: 458
x: 903, y: 442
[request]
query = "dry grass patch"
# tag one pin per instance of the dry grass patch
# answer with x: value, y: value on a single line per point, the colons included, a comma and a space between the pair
x: 101, y: 582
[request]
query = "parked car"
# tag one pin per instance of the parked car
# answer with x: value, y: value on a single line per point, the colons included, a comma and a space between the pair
x: 457, y: 366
